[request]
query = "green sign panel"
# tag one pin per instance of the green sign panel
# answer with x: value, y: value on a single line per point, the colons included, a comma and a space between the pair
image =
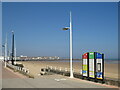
x: 91, y: 65
x: 91, y: 55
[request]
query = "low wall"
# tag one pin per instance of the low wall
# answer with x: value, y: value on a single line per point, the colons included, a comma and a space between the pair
x: 65, y: 72
x: 19, y: 69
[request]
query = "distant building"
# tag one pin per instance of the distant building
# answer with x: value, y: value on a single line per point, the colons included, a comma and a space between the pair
x: 1, y: 58
x: 17, y: 58
x: 23, y: 57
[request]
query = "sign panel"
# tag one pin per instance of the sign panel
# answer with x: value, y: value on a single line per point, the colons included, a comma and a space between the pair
x: 91, y: 65
x: 99, y: 65
x: 85, y: 65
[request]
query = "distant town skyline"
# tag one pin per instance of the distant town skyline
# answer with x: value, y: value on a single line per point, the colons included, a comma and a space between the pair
x: 38, y: 28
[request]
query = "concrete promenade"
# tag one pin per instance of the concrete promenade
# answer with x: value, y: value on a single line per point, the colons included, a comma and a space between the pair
x: 12, y: 79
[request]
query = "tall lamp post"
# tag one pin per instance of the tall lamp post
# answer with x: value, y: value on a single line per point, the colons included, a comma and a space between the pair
x: 6, y: 57
x: 12, y: 48
x: 70, y: 28
x: 4, y: 46
x: 15, y: 54
x: 5, y: 51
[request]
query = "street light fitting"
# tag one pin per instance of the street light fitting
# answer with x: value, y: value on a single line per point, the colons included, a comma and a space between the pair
x: 66, y: 28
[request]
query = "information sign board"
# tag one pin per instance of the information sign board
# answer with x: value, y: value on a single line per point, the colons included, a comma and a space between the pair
x: 99, y: 65
x: 91, y: 65
x: 85, y: 65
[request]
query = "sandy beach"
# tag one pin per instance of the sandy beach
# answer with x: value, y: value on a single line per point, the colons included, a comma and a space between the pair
x: 110, y: 70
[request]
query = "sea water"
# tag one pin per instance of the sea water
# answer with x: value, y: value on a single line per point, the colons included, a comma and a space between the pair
x: 106, y: 61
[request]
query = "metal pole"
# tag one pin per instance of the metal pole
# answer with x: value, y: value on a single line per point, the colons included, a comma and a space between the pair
x: 8, y: 55
x: 12, y: 48
x: 71, y: 70
x: 6, y: 50
x: 15, y: 53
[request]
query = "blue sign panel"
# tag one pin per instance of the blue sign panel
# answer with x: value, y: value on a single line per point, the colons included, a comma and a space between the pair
x: 98, y: 56
x: 99, y: 65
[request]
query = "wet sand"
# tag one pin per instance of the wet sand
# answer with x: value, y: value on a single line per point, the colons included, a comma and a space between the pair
x: 110, y: 70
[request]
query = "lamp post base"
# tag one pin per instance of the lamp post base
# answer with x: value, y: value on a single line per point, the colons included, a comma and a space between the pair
x: 71, y: 76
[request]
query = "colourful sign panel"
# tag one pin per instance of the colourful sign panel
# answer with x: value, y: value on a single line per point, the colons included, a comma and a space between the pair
x: 91, y: 65
x: 85, y: 64
x: 99, y: 66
